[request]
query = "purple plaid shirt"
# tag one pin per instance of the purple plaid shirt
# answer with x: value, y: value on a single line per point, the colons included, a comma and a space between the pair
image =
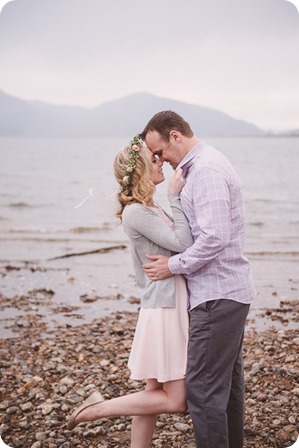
x: 212, y: 200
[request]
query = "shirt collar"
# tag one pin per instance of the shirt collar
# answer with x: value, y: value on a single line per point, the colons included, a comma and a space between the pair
x: 186, y: 162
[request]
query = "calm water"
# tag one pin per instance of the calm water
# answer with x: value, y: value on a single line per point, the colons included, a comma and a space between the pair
x: 43, y: 180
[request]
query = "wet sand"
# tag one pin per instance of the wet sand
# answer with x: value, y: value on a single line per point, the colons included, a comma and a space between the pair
x: 75, y: 290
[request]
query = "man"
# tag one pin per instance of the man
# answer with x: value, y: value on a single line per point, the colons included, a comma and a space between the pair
x: 218, y: 277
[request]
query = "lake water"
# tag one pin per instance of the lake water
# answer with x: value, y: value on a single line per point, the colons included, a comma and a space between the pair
x: 43, y: 180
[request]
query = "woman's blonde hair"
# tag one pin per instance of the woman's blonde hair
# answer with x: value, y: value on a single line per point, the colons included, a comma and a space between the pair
x: 140, y: 188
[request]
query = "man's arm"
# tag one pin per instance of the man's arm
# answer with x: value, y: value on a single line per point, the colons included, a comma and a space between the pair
x: 212, y: 210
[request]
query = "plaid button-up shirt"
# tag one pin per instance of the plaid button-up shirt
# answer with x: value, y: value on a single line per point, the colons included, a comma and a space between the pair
x: 212, y: 200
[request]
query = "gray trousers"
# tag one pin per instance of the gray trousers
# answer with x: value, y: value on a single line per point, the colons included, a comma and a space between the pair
x: 215, y: 375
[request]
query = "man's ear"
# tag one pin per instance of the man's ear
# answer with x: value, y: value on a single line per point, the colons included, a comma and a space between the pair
x: 175, y: 135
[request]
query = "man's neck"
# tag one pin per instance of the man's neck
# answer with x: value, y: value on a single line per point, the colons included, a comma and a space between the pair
x: 190, y: 143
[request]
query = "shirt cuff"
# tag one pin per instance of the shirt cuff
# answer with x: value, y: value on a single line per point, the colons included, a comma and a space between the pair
x: 174, y: 264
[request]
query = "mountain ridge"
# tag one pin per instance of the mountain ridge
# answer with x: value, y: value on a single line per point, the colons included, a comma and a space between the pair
x: 121, y: 117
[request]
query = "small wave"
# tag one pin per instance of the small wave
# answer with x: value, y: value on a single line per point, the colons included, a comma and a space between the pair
x: 85, y: 229
x: 43, y: 240
x: 257, y: 224
x: 19, y: 205
x: 55, y: 231
x: 264, y: 200
x: 31, y: 230
x: 281, y: 202
x: 60, y: 241
x: 25, y: 205
x: 273, y: 253
x: 105, y: 226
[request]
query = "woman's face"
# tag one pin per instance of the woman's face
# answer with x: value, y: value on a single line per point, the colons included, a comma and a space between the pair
x: 157, y: 171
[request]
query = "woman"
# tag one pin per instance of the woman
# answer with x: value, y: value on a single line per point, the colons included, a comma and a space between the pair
x: 159, y: 347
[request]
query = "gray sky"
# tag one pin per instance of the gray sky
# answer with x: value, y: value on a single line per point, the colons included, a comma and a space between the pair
x: 237, y: 56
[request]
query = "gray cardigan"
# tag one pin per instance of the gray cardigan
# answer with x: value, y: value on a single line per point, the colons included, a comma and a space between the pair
x: 149, y: 234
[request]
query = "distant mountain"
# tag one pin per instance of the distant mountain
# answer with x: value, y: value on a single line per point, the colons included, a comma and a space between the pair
x: 119, y: 118
x: 289, y: 133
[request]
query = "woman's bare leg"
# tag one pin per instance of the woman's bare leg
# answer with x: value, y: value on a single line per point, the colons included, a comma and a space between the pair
x: 171, y: 398
x: 143, y: 426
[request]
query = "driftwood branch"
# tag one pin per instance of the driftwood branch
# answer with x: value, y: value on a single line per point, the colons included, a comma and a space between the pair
x: 103, y: 250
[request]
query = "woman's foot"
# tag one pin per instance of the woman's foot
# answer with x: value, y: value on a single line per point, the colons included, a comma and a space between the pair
x: 94, y: 398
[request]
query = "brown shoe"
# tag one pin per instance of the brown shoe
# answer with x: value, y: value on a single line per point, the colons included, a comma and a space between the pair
x: 94, y: 398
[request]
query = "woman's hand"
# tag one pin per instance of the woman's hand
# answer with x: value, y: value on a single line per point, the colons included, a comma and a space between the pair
x: 176, y: 182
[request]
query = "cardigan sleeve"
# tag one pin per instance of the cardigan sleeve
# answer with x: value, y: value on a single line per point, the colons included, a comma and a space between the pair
x: 139, y: 220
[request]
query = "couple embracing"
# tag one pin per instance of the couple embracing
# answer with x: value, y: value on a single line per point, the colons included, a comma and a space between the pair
x: 196, y: 287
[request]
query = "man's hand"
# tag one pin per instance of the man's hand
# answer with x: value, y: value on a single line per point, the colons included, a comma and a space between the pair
x: 158, y: 268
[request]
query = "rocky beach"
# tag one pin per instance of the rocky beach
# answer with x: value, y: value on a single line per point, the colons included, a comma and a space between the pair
x: 48, y: 368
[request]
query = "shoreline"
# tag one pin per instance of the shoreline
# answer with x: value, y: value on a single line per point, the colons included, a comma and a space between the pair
x: 73, y: 290
x: 17, y: 313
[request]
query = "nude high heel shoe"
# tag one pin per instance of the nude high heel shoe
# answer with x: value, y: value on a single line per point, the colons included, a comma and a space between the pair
x: 94, y: 398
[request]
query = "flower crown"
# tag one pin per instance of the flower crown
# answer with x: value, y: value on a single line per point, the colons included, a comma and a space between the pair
x: 134, y: 147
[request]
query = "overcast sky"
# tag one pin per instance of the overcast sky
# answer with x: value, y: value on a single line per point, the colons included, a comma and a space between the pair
x: 237, y: 56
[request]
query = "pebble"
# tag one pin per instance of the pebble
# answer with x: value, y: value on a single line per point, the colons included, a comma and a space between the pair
x: 42, y: 381
x: 27, y: 406
x: 12, y: 410
x: 40, y: 436
x: 67, y: 381
x: 182, y: 427
x: 47, y: 408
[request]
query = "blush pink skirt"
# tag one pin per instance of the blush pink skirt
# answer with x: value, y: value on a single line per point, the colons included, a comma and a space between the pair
x: 159, y: 348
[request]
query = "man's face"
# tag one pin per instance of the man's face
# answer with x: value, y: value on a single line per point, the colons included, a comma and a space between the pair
x: 165, y: 151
